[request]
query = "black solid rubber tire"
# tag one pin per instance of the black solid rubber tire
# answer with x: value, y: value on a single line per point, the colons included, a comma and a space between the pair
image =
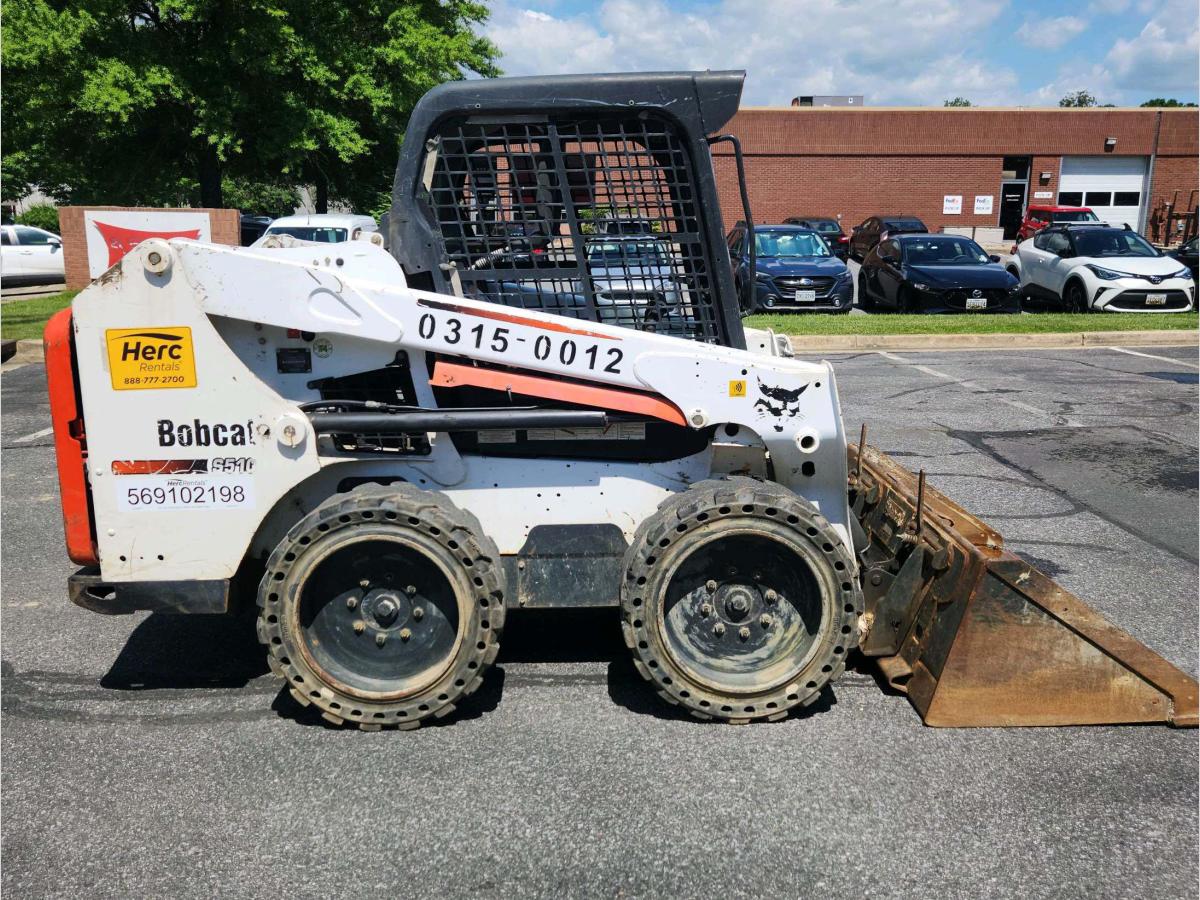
x: 435, y: 518
x: 732, y: 500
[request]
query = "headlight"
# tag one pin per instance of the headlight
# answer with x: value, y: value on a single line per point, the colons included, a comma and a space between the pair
x: 761, y: 278
x: 1106, y: 274
x: 844, y: 277
x: 921, y: 286
x: 1185, y: 272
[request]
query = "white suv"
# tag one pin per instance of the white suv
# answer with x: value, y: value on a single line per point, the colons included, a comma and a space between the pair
x: 1096, y: 266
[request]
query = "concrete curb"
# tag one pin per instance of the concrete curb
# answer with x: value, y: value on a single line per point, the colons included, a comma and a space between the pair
x: 828, y: 343
x: 29, y: 350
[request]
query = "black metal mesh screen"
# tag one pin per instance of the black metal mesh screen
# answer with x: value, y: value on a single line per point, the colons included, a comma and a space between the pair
x: 590, y: 218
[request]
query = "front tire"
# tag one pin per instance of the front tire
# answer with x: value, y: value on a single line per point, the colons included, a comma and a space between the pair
x: 382, y: 607
x: 739, y: 601
x: 1075, y: 297
x: 865, y: 300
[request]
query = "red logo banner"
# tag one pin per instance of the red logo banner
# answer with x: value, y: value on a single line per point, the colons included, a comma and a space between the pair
x: 121, y: 240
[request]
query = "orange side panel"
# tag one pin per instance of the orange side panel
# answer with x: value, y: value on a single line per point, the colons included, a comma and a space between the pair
x: 70, y: 443
x: 453, y: 375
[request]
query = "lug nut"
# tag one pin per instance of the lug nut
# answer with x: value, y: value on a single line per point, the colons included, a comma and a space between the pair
x: 418, y: 613
x: 411, y: 590
x: 360, y: 626
x: 764, y: 621
x: 744, y: 633
x: 364, y: 584
x: 719, y: 629
x: 351, y: 603
x: 771, y: 596
x: 710, y: 586
x: 405, y: 634
x: 380, y: 639
x: 706, y: 609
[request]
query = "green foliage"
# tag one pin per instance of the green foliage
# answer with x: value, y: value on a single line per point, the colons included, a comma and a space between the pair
x: 156, y: 102
x: 1078, y: 98
x: 42, y: 216
x: 957, y: 101
x: 1163, y: 101
x: 259, y: 197
x: 586, y: 217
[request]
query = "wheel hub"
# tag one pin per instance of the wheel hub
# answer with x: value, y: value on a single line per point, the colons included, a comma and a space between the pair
x: 379, y: 617
x: 738, y: 599
x: 719, y: 624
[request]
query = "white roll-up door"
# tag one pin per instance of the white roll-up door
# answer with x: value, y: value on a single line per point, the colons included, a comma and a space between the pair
x: 1113, y: 186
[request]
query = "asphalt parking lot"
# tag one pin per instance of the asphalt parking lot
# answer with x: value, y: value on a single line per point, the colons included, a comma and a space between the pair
x: 153, y: 756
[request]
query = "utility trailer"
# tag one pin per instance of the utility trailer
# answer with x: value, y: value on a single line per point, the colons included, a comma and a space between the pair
x: 517, y: 408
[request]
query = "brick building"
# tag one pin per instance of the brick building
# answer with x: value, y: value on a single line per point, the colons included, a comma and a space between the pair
x: 853, y: 163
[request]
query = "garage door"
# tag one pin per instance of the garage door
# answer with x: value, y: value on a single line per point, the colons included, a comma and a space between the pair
x: 1111, y: 185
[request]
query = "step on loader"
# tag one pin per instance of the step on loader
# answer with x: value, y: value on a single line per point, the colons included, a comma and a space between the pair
x: 539, y: 395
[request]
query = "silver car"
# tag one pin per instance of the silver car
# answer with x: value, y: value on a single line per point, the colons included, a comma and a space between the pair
x: 633, y: 281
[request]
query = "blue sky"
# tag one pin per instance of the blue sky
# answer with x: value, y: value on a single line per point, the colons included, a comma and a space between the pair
x: 1016, y: 53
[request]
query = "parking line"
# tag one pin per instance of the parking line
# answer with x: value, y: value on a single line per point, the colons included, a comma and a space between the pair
x: 1180, y: 362
x: 979, y: 389
x: 34, y: 436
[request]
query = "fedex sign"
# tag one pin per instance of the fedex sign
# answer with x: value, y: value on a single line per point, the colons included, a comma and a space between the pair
x: 110, y: 234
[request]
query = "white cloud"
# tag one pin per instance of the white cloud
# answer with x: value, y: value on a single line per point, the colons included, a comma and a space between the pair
x: 1051, y: 33
x: 1162, y: 58
x: 920, y: 52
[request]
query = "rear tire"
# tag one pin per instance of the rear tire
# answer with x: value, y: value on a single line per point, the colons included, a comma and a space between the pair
x: 382, y: 607
x: 740, y: 602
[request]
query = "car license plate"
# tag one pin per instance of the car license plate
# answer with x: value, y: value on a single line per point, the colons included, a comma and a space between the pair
x: 806, y: 296
x: 1156, y: 299
x: 977, y: 303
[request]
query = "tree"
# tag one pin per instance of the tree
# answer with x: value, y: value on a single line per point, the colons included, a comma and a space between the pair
x: 163, y: 101
x: 1078, y: 98
x: 957, y: 101
x: 41, y: 215
x: 1163, y: 101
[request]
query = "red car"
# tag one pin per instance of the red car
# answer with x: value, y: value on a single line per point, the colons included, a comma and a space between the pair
x: 1038, y: 216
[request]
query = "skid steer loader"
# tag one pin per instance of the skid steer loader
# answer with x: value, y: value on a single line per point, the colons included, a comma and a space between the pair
x: 540, y: 396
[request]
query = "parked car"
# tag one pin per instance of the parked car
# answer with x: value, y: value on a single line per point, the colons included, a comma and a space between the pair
x: 827, y: 228
x: 795, y: 271
x: 253, y: 227
x: 1095, y: 266
x: 935, y: 273
x: 633, y: 282
x: 625, y: 225
x: 1186, y: 254
x: 30, y: 256
x: 864, y: 237
x: 1039, y: 215
x: 321, y: 228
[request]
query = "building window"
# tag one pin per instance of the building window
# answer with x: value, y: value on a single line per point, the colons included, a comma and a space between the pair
x: 1070, y: 198
x: 1127, y: 198
x: 1015, y: 168
x: 1098, y: 198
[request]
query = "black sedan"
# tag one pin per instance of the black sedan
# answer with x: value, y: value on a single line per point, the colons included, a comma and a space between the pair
x: 874, y: 229
x: 1188, y: 256
x: 935, y: 273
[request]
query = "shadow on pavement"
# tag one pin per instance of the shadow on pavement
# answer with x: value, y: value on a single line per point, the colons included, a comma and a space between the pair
x: 168, y: 651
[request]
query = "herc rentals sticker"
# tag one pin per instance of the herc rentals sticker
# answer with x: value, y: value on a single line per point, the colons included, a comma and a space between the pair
x: 150, y: 358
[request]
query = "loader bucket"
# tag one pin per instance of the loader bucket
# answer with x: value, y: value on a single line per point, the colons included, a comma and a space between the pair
x: 975, y: 636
